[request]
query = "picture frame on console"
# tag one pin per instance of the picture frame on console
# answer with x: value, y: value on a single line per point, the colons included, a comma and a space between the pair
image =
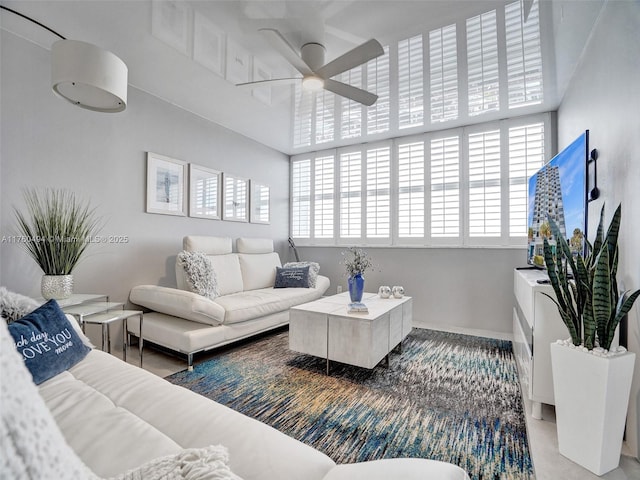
x: 166, y: 185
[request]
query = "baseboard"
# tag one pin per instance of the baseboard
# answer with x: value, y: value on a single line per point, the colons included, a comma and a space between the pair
x: 466, y: 331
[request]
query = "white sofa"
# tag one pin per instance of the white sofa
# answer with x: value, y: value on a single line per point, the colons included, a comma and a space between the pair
x: 117, y: 417
x: 189, y: 323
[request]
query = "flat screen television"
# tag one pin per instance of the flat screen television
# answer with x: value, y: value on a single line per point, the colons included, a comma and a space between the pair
x: 559, y: 191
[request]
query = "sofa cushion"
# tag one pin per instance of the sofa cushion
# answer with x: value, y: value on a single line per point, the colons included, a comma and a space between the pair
x: 292, y: 277
x: 314, y: 270
x: 179, y: 303
x: 254, y: 245
x: 47, y: 341
x: 228, y: 273
x: 258, y: 270
x: 207, y: 245
x: 199, y: 273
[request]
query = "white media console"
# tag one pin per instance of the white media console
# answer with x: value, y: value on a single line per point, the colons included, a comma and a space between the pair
x: 536, y: 325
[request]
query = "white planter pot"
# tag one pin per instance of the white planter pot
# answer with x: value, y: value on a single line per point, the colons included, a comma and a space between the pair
x: 592, y: 396
x: 58, y: 287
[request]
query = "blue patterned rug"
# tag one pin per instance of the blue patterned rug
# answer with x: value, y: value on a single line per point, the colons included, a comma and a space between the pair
x: 447, y: 397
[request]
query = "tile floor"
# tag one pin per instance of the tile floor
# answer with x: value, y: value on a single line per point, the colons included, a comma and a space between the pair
x: 548, y: 463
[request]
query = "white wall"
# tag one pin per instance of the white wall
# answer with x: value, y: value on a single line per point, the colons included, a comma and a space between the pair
x: 451, y: 287
x: 604, y: 97
x: 46, y: 142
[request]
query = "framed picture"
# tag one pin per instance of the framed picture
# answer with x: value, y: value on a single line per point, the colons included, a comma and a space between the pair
x: 260, y: 203
x: 208, y: 44
x: 204, y: 192
x: 261, y: 72
x: 236, y: 198
x: 166, y: 185
x: 237, y: 63
x: 170, y: 23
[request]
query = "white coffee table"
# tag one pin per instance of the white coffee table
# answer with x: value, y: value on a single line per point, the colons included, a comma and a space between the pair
x: 325, y: 329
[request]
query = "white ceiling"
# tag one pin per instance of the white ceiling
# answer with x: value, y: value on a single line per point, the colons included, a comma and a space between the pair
x: 124, y: 27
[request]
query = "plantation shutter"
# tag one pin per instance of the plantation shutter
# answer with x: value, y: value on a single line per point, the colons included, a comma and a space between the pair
x: 526, y: 157
x: 351, y: 112
x: 482, y: 63
x: 301, y: 198
x: 378, y: 83
x: 378, y: 201
x: 484, y: 184
x: 323, y: 197
x: 325, y: 111
x: 235, y: 198
x: 302, y: 117
x: 351, y: 195
x: 524, y: 57
x: 445, y: 187
x: 410, y: 83
x: 443, y: 55
x: 207, y: 196
x: 411, y: 190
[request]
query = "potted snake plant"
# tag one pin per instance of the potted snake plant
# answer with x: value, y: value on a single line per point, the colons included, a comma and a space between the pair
x: 55, y: 231
x: 591, y: 378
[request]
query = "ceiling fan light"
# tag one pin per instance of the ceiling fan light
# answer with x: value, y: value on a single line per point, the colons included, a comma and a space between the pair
x: 312, y: 83
x: 89, y: 76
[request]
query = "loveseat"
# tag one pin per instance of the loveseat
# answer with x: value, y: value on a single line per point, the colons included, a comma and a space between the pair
x: 244, y: 303
x: 123, y: 422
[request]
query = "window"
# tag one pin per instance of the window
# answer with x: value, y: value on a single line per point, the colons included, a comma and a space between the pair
x: 443, y: 73
x: 484, y: 184
x: 482, y: 63
x: 459, y: 187
x: 302, y: 115
x: 325, y: 106
x: 526, y: 156
x: 411, y: 190
x: 445, y: 187
x: 351, y: 112
x: 410, y: 82
x: 301, y: 198
x: 350, y: 195
x: 378, y: 202
x: 524, y: 58
x: 323, y: 196
x: 378, y: 82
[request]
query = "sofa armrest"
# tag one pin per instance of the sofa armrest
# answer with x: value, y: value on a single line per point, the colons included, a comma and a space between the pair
x: 322, y: 284
x: 397, y: 469
x: 179, y: 303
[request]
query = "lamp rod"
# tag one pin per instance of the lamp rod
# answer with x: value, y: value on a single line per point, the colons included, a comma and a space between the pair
x: 32, y: 20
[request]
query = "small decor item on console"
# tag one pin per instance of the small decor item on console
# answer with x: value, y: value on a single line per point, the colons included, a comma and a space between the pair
x: 384, y: 291
x: 398, y: 291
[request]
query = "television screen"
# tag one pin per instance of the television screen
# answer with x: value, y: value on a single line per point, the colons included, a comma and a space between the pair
x: 558, y: 191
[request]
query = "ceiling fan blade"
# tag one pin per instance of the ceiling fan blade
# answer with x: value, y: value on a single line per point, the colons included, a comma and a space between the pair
x: 272, y: 82
x: 286, y: 50
x: 359, y: 55
x: 353, y: 93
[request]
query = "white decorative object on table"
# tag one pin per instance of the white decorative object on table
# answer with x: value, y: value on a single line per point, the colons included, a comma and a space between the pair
x: 384, y: 291
x: 398, y: 291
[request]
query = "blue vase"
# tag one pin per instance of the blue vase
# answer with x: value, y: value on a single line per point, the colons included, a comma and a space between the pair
x: 356, y: 287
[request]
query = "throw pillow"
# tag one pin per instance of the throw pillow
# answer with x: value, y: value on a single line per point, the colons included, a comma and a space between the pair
x: 31, y: 443
x: 201, y: 277
x: 293, y: 277
x: 14, y: 306
x: 47, y: 341
x: 314, y: 270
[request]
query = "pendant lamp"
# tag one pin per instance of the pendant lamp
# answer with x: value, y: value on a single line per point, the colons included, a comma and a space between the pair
x: 88, y: 76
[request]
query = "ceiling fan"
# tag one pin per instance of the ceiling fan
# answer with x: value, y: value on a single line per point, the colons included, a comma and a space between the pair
x: 317, y: 75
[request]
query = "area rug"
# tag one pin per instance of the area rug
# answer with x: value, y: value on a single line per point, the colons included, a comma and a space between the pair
x: 446, y: 396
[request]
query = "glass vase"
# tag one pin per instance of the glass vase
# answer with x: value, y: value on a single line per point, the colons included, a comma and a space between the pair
x: 356, y: 287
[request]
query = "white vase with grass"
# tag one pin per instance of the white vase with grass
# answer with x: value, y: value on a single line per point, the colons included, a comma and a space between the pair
x: 56, y: 230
